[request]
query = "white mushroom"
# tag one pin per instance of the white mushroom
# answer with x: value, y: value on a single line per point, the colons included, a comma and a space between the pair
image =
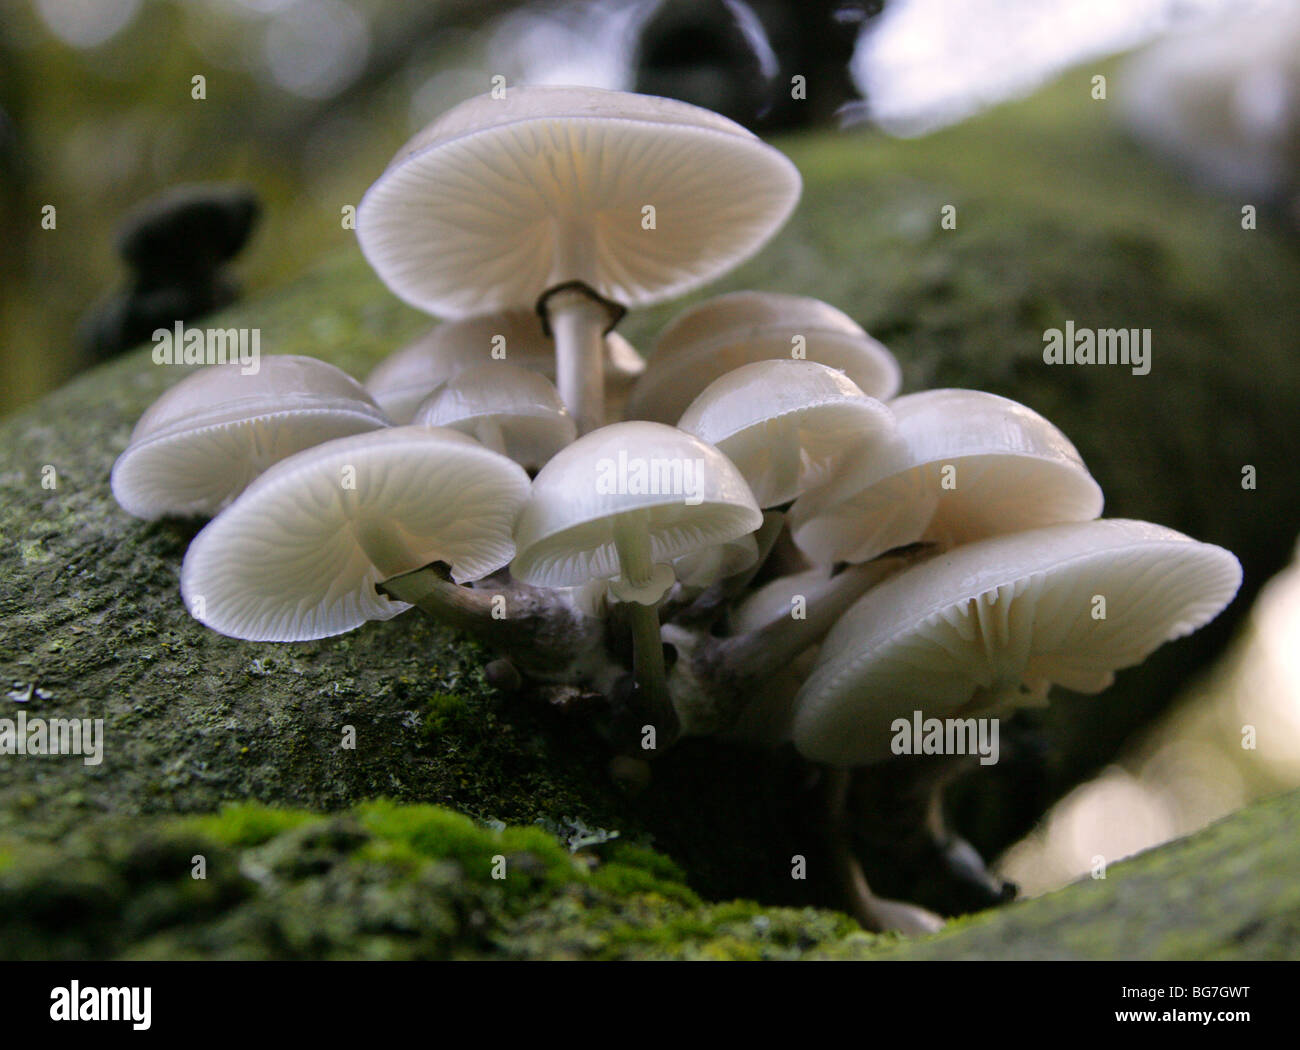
x: 205, y: 439
x: 723, y: 333
x: 300, y: 553
x: 592, y: 200
x: 409, y: 375
x: 786, y: 424
x: 506, y: 408
x: 969, y: 465
x: 620, y: 504
x: 990, y: 625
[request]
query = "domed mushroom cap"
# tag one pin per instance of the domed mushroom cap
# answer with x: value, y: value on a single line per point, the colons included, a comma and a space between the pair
x: 785, y: 424
x: 401, y: 381
x: 686, y: 494
x: 989, y: 626
x: 298, y: 555
x: 970, y: 465
x: 507, y: 408
x: 205, y: 439
x: 502, y: 198
x: 728, y: 331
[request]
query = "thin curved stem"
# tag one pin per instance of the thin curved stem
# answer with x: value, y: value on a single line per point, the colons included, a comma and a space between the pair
x: 544, y: 634
x: 759, y: 653
x: 873, y: 913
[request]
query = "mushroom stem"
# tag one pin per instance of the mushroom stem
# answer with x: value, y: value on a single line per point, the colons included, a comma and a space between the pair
x: 546, y: 636
x: 578, y: 321
x: 760, y: 652
x: 636, y: 566
x: 873, y: 913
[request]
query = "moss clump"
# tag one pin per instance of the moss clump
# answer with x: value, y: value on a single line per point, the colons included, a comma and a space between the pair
x: 385, y: 880
x: 382, y: 880
x: 248, y: 824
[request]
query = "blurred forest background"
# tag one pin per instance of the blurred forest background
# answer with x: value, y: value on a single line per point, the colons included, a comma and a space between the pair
x: 304, y: 102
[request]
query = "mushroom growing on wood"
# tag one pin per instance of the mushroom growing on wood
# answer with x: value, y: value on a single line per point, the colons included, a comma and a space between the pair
x: 968, y: 465
x: 300, y: 554
x: 991, y: 625
x: 581, y: 201
x: 786, y: 424
x: 723, y: 333
x: 507, y: 408
x: 206, y: 438
x: 409, y: 375
x: 620, y: 504
x: 985, y: 628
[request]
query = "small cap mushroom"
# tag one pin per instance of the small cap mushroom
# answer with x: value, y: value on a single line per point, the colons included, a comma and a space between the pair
x: 409, y: 375
x: 723, y: 333
x: 785, y: 424
x: 582, y: 201
x: 205, y: 439
x: 620, y: 504
x: 969, y: 465
x: 299, y: 554
x: 624, y: 499
x: 990, y: 625
x: 506, y: 408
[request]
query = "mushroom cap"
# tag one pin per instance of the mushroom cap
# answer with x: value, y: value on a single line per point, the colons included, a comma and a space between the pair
x: 502, y: 198
x: 1013, y: 470
x: 721, y: 334
x: 988, y: 626
x: 402, y: 380
x: 522, y: 406
x: 205, y: 439
x: 785, y: 424
x: 409, y: 375
x: 688, y: 494
x: 298, y: 555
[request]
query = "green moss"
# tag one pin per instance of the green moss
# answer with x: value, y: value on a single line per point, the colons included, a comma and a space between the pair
x: 622, y: 880
x: 248, y: 824
x: 629, y: 854
x: 383, y: 880
x: 445, y: 713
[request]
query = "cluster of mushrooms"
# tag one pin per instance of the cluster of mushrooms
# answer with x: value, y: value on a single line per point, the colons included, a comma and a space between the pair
x: 771, y: 546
